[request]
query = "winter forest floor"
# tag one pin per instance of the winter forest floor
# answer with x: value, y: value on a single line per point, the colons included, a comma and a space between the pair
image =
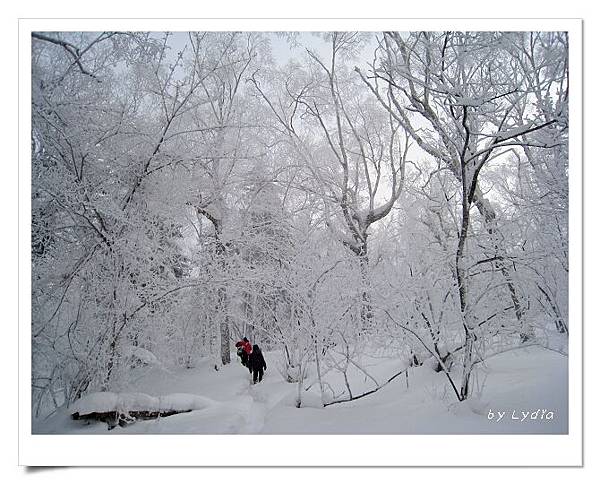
x: 525, y: 380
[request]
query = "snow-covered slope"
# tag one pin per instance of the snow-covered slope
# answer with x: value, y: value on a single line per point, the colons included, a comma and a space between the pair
x: 520, y: 391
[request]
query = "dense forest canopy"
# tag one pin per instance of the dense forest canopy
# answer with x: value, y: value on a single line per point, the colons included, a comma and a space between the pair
x: 388, y: 194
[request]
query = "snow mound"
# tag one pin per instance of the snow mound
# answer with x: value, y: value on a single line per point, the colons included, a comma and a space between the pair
x: 142, y: 354
x: 147, y: 358
x: 101, y: 402
x: 184, y: 401
x: 95, y: 402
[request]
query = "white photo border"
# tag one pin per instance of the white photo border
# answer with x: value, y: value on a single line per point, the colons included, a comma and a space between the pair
x: 304, y: 450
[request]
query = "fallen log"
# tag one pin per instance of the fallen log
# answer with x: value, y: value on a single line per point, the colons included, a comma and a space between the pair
x: 125, y: 408
x: 122, y: 419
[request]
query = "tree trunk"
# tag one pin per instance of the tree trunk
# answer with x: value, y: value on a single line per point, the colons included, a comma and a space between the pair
x: 467, y: 365
x: 366, y: 308
x: 489, y: 216
x: 225, y: 326
x: 461, y: 280
x: 222, y: 296
x: 318, y: 364
x: 225, y: 353
x: 561, y: 327
x: 299, y: 386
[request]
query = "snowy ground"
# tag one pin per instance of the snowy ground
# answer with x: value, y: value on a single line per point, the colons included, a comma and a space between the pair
x: 524, y: 380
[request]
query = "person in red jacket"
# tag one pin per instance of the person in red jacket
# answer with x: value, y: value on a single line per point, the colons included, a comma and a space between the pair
x: 244, y: 348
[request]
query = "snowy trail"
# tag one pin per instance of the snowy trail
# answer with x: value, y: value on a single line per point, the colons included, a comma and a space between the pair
x: 256, y: 415
x: 265, y: 395
x: 240, y: 407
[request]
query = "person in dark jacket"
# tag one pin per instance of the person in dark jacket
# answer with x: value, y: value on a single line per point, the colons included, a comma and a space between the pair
x: 244, y: 348
x: 256, y: 364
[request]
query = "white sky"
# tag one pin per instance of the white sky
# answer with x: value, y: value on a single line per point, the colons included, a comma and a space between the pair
x: 280, y: 48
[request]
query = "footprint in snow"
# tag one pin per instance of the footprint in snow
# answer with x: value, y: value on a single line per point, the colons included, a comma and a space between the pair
x: 258, y: 394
